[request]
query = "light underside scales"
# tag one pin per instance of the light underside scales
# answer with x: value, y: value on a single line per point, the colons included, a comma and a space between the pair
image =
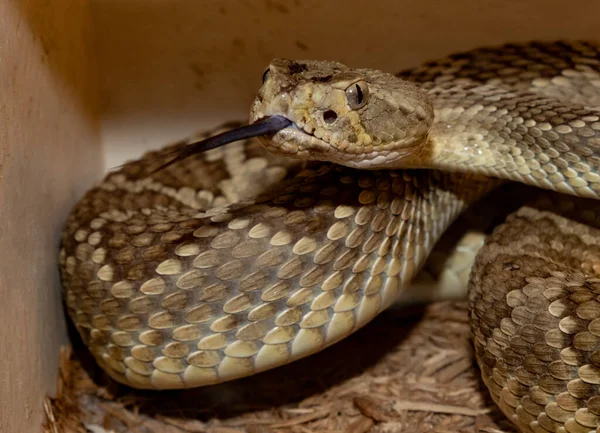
x: 536, y: 141
x: 182, y: 296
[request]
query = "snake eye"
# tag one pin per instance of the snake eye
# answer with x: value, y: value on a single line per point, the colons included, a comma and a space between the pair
x: 357, y: 95
x: 266, y: 75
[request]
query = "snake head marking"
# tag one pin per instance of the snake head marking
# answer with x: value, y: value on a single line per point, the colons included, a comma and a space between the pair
x: 355, y: 117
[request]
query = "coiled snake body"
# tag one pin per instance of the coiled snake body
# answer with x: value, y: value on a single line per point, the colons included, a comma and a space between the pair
x: 237, y: 260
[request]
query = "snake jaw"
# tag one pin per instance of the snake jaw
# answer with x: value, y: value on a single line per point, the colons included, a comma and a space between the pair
x: 295, y: 141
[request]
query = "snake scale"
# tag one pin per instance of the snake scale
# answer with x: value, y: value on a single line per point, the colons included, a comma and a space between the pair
x: 239, y: 259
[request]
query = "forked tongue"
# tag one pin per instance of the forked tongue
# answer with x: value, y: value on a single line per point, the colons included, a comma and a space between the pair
x: 263, y: 126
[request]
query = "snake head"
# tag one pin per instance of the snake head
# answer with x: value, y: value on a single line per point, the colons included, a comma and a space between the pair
x: 360, y: 118
x: 325, y: 111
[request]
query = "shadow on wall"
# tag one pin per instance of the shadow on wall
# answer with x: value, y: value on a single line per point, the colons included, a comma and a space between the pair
x: 175, y: 59
x: 63, y: 29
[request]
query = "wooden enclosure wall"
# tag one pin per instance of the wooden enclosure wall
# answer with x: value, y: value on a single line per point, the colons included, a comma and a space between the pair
x: 49, y: 153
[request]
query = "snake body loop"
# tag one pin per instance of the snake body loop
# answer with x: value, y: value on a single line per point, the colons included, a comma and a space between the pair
x: 240, y: 259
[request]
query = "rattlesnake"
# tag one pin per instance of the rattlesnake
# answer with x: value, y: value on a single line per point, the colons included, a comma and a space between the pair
x: 219, y: 264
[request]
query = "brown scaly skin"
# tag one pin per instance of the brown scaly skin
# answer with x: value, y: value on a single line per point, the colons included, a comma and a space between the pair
x: 236, y: 261
x: 535, y: 315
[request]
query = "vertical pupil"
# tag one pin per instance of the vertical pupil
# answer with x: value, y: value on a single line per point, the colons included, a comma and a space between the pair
x: 359, y: 94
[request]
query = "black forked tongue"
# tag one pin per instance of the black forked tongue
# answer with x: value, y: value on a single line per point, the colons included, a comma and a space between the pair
x: 263, y: 126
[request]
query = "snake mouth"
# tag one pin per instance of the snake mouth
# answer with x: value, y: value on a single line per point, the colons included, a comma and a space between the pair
x: 283, y: 136
x: 297, y: 141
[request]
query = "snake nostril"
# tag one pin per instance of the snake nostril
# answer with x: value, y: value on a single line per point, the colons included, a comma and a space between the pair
x: 329, y: 116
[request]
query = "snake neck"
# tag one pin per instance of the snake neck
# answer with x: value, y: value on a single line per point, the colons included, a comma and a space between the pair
x: 545, y: 150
